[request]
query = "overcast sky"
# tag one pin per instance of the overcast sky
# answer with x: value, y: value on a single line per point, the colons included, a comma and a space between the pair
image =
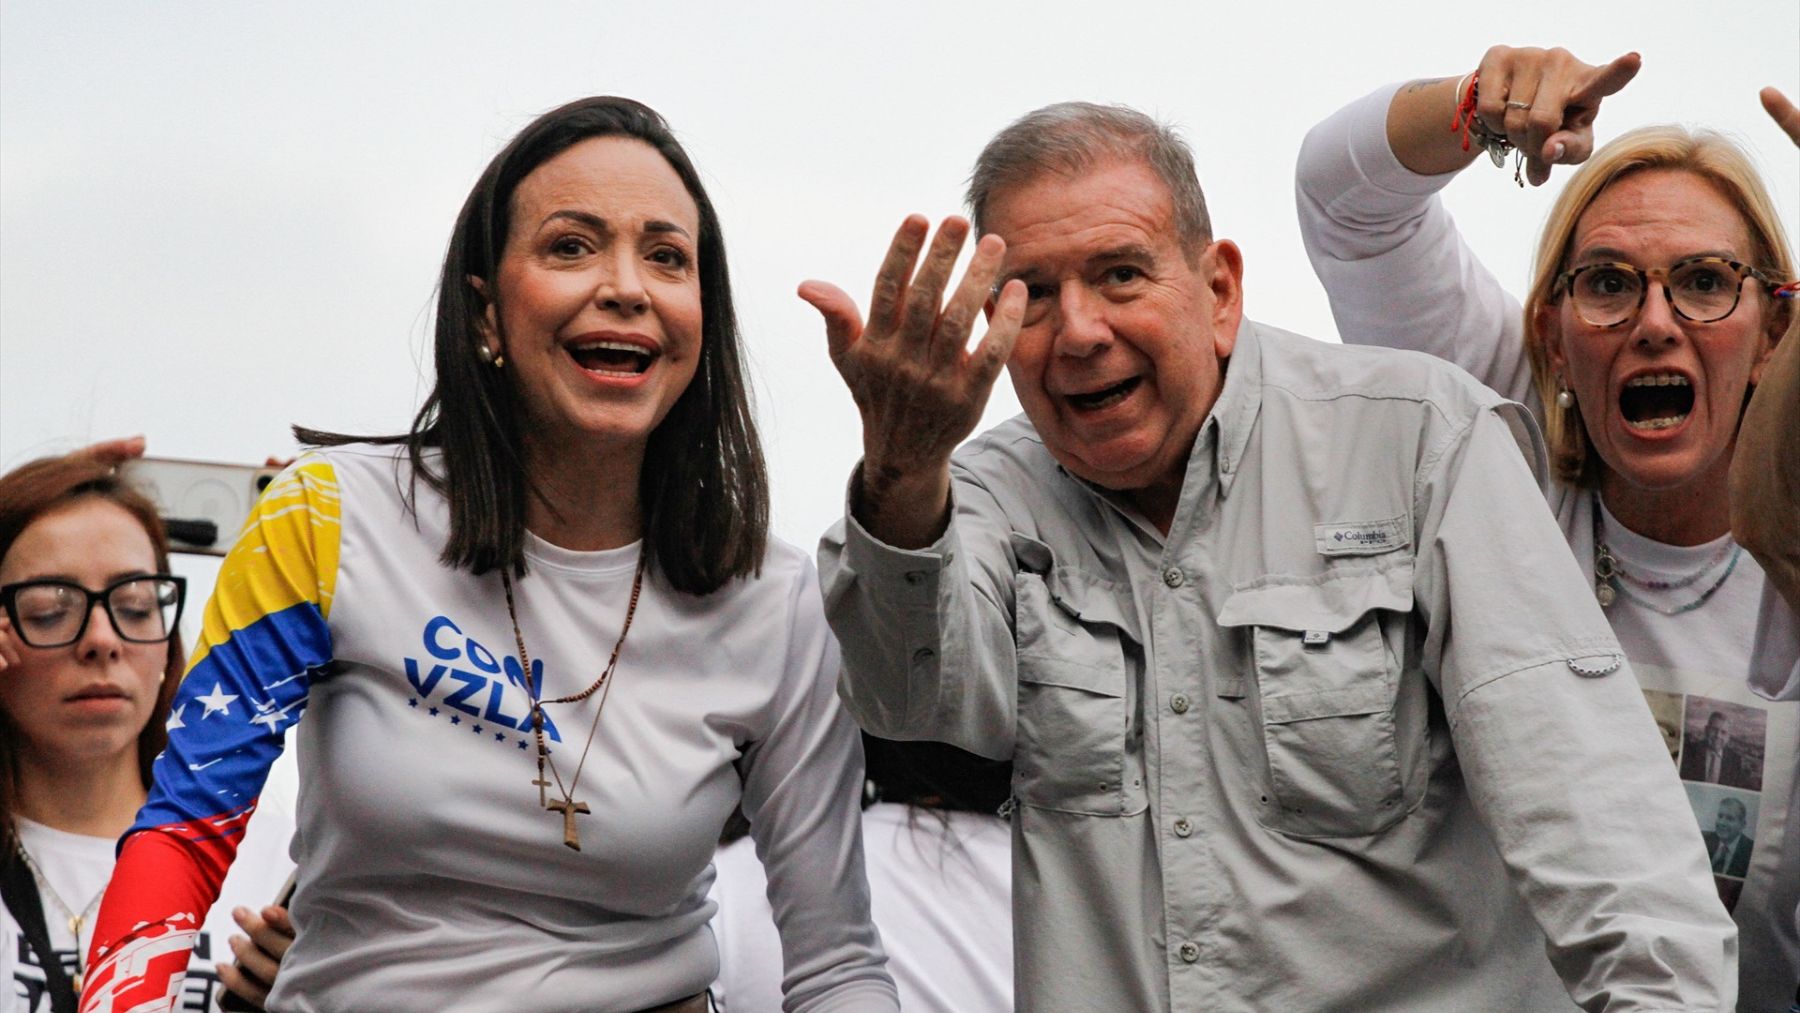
x: 220, y: 219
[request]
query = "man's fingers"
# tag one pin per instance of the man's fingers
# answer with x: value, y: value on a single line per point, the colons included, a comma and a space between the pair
x: 843, y: 325
x: 926, y: 294
x: 1785, y: 114
x: 896, y: 271
x: 1003, y: 331
x: 952, y: 335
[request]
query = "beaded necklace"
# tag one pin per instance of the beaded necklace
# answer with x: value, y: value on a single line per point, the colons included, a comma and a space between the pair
x: 568, y: 806
x: 1610, y: 577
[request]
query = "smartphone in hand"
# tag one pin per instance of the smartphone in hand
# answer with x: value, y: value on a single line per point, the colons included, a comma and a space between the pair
x: 203, y: 504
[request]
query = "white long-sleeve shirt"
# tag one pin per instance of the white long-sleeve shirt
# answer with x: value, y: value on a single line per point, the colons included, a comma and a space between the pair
x: 1399, y: 275
x: 430, y: 876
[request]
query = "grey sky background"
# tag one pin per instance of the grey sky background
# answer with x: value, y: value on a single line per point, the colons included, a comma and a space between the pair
x: 220, y: 219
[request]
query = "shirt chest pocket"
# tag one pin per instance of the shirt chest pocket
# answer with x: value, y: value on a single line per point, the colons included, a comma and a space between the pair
x: 1326, y: 684
x: 1076, y: 750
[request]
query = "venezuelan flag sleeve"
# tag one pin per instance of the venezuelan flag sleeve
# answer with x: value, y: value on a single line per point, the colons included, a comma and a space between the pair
x: 264, y: 639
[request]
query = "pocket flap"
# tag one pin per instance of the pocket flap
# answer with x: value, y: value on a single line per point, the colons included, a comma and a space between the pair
x: 1042, y: 671
x: 1370, y: 698
x: 1331, y: 604
x: 1093, y: 600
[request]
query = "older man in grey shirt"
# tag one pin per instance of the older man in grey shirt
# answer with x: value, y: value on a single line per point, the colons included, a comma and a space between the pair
x: 1309, y: 706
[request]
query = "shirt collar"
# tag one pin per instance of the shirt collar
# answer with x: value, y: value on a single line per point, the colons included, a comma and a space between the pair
x: 1233, y: 415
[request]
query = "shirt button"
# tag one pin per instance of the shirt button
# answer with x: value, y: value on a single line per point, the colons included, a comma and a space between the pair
x: 923, y: 656
x: 915, y: 577
x: 1183, y: 828
x: 1174, y: 577
x: 1189, y: 952
x: 1179, y: 703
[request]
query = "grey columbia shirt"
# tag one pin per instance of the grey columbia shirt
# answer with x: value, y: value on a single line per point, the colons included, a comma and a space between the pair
x: 1354, y: 735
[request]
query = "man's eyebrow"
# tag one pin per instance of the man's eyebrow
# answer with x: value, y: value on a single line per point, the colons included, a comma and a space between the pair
x: 1127, y: 253
x: 1135, y: 252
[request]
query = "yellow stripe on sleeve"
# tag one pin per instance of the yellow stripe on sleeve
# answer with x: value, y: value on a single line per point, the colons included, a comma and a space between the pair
x: 286, y: 554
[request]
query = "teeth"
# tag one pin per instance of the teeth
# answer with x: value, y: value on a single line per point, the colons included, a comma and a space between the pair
x: 611, y: 346
x: 1665, y: 423
x: 1658, y: 380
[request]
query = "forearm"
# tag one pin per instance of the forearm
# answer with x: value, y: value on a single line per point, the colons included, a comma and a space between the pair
x: 906, y: 508
x: 1622, y: 891
x: 1765, y: 473
x: 1398, y: 273
x: 1419, y: 127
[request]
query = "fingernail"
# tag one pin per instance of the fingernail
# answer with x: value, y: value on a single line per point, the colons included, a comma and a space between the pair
x: 1557, y: 152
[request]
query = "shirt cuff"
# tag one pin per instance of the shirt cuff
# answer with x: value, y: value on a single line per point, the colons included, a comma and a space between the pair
x: 907, y: 577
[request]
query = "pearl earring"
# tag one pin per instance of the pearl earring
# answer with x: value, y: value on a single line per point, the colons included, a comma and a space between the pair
x: 487, y: 356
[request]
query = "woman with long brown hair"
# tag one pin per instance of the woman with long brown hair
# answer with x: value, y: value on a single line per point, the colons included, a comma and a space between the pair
x: 542, y: 643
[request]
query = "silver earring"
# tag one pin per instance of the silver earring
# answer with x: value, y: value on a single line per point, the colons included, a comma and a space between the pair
x: 487, y: 356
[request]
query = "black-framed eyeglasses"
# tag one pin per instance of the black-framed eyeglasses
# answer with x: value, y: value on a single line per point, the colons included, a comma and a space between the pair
x: 1701, y: 289
x: 145, y: 609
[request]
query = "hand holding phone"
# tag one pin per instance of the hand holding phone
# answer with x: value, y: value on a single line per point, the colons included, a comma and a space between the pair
x: 203, y: 504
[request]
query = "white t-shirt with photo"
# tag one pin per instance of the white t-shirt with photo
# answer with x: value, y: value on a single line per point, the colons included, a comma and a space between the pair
x: 77, y: 868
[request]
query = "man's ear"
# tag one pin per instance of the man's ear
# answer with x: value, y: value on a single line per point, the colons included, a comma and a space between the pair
x: 1222, y: 268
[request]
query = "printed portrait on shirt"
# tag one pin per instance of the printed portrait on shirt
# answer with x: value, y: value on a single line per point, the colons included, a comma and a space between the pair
x: 1728, y: 828
x: 1723, y: 743
x: 1666, y: 708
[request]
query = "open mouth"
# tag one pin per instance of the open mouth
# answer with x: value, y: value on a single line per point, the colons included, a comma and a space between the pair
x: 1105, y: 397
x: 612, y: 358
x: 1656, y: 401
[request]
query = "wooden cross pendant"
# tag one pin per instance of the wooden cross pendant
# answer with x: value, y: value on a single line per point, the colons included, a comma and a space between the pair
x: 568, y: 808
x: 543, y: 800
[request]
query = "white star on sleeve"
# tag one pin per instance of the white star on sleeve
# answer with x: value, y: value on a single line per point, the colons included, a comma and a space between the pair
x: 175, y: 718
x: 217, y: 702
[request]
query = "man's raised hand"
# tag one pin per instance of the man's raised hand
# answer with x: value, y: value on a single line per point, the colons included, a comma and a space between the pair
x: 918, y: 386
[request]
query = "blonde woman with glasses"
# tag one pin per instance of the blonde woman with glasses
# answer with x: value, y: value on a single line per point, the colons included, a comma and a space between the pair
x: 1662, y: 284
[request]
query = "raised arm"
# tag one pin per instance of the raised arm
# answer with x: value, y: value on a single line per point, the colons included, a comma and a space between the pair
x: 1765, y: 467
x: 263, y: 639
x: 1382, y: 243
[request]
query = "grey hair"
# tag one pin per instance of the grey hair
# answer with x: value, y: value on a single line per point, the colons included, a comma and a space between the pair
x: 1072, y: 137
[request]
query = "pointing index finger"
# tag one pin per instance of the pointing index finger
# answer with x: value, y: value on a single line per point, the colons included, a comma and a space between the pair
x: 1609, y: 80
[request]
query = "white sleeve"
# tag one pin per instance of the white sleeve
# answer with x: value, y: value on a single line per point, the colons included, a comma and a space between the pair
x: 802, y: 793
x: 1387, y: 251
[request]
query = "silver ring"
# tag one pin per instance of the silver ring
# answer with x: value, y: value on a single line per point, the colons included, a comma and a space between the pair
x: 1510, y: 104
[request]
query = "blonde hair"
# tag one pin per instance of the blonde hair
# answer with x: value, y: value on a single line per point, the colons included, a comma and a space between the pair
x: 1708, y: 155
